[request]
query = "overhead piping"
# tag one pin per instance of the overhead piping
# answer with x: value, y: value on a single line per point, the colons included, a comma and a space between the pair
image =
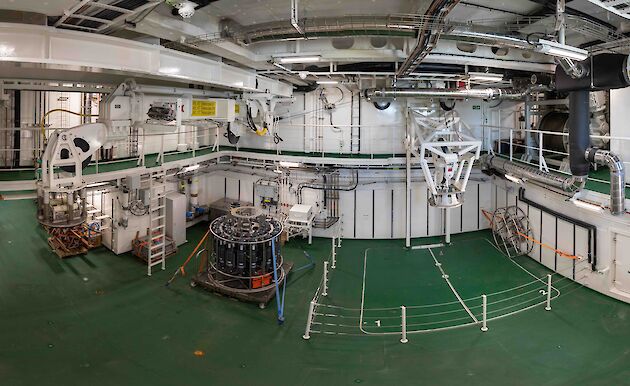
x: 485, y: 93
x: 617, y: 177
x: 429, y: 34
x: 569, y: 184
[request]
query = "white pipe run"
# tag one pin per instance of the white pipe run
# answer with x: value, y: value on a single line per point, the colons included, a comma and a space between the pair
x: 194, y: 192
x: 484, y: 93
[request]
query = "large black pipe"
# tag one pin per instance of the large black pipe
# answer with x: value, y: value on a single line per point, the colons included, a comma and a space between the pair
x: 579, y: 132
x: 603, y: 72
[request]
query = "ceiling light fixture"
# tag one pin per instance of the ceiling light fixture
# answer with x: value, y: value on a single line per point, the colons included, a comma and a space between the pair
x: 514, y: 179
x: 288, y: 164
x: 561, y: 50
x: 586, y: 205
x: 299, y: 59
x: 189, y: 169
x: 327, y: 81
x: 186, y: 9
x: 485, y: 76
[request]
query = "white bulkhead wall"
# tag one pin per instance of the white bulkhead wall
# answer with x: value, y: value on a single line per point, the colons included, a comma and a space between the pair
x: 611, y: 270
x: 305, y: 125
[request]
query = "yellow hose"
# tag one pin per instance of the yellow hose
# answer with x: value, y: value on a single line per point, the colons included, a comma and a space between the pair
x: 43, y: 120
x: 262, y: 132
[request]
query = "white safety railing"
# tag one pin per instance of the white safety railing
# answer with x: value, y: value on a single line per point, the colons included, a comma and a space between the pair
x: 507, y: 136
x: 333, y: 319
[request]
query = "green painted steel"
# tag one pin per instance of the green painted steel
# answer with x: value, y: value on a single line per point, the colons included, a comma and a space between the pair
x: 99, y: 320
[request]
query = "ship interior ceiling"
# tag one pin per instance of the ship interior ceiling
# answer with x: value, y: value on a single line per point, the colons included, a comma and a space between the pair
x: 301, y: 192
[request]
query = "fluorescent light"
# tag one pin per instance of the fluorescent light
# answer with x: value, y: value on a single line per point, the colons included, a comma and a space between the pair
x: 328, y: 82
x: 485, y: 76
x: 287, y: 164
x: 586, y: 205
x: 169, y: 70
x: 561, y: 50
x: 402, y: 26
x: 6, y: 51
x: 300, y: 59
x: 514, y: 179
x: 188, y: 169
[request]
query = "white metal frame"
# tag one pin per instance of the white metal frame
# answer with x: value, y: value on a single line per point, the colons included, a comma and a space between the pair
x: 452, y: 150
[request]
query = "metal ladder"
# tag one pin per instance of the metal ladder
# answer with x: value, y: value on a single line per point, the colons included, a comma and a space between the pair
x: 157, y: 221
x: 355, y: 121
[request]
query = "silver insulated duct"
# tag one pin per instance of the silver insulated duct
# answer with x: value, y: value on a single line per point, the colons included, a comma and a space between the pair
x: 617, y: 177
x: 485, y: 93
x: 569, y: 184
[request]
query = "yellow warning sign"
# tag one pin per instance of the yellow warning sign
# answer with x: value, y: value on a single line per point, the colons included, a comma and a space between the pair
x: 201, y: 108
x: 237, y: 108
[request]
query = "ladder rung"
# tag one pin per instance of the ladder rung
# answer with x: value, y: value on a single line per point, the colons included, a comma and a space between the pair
x: 153, y: 263
x: 158, y: 207
x: 157, y: 218
x: 158, y: 245
x: 158, y: 227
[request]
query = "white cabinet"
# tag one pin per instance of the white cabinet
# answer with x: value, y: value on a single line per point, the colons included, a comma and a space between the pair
x: 176, y: 206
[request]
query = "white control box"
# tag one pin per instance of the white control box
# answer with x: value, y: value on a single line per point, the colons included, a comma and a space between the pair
x: 300, y: 213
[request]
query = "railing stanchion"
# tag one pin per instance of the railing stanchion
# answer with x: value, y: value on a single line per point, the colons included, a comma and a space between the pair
x: 548, y: 307
x: 334, y: 254
x: 403, y: 317
x: 511, y: 145
x: 484, y: 323
x: 309, y: 320
x: 325, y: 290
x: 540, y: 151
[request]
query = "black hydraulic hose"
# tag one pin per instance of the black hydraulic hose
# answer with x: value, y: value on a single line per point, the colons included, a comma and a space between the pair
x: 579, y: 132
x: 331, y: 187
x: 592, y: 229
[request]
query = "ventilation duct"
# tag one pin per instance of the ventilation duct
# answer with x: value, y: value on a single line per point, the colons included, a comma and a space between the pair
x: 569, y: 184
x: 486, y: 93
x: 579, y: 132
x: 602, y: 72
x: 617, y: 177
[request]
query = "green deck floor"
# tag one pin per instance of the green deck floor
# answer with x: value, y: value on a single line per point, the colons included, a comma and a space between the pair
x: 98, y: 320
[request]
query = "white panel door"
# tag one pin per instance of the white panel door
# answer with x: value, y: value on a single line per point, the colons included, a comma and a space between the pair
x: 399, y: 213
x: 382, y: 214
x: 364, y: 222
x: 622, y: 262
x: 231, y: 188
x: 534, y: 222
x: 470, y: 209
x: 346, y: 211
x: 486, y: 192
x: 566, y: 241
x: 548, y: 237
x: 419, y: 223
x: 436, y: 221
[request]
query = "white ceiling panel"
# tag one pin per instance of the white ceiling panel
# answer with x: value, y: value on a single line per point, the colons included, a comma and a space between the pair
x: 47, y: 7
x: 248, y: 12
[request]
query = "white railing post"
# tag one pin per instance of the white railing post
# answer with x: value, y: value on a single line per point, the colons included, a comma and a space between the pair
x: 334, y: 254
x: 325, y: 291
x: 311, y: 310
x: 403, y: 317
x: 511, y: 145
x: 484, y: 307
x: 548, y: 307
x: 540, y: 151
